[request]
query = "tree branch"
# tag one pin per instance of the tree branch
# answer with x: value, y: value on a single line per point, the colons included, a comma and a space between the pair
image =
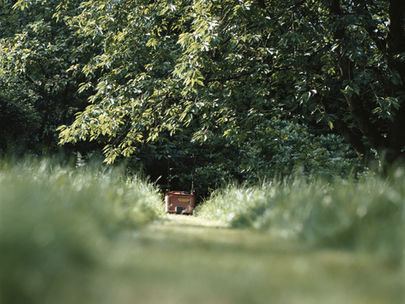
x: 360, y: 114
x: 361, y: 9
x: 261, y: 4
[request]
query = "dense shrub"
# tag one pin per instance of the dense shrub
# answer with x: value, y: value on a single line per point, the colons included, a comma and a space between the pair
x: 275, y: 148
x: 279, y: 147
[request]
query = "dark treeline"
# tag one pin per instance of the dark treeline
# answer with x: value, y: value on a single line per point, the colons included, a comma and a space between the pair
x: 216, y: 90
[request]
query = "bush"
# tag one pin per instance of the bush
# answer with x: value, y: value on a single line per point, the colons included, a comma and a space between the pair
x: 273, y: 147
x: 279, y: 147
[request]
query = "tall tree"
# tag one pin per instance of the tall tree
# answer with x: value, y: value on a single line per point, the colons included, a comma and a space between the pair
x: 340, y: 61
x: 135, y: 98
x: 39, y: 77
x: 225, y: 67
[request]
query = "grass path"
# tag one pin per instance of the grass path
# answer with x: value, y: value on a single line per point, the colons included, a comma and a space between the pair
x: 185, y: 259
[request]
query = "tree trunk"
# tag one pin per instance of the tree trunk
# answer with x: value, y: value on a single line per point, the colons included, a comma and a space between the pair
x: 360, y: 114
x: 395, y: 48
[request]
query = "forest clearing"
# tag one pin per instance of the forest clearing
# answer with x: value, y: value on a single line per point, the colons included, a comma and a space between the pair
x: 189, y: 260
x: 277, y: 126
x: 87, y: 236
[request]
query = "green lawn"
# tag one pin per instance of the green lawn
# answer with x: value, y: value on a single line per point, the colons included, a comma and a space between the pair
x: 183, y: 259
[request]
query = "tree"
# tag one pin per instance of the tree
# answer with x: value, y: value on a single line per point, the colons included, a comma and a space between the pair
x: 337, y: 61
x: 208, y: 69
x: 39, y: 82
x: 248, y: 87
x: 383, y: 25
x: 135, y: 98
x: 225, y: 65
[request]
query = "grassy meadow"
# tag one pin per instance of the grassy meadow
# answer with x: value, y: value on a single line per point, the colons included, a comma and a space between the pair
x: 360, y: 214
x: 92, y: 235
x: 57, y: 222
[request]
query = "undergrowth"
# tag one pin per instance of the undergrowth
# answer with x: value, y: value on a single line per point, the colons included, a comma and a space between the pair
x: 57, y: 222
x: 361, y: 214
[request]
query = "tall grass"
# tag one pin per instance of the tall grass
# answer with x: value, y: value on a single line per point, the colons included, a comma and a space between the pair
x: 56, y: 223
x: 360, y: 214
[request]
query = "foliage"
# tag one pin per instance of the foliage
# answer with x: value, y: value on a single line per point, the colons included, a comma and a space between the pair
x: 38, y: 93
x: 19, y: 123
x: 280, y: 147
x: 134, y: 99
x: 257, y: 77
x: 273, y: 148
x: 341, y: 73
x: 56, y: 223
x: 365, y: 214
x: 220, y: 67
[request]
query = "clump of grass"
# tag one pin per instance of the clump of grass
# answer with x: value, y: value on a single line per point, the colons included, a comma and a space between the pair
x: 359, y: 214
x: 56, y: 222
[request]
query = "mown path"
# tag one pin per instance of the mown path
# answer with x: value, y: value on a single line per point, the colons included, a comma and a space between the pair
x: 185, y: 259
